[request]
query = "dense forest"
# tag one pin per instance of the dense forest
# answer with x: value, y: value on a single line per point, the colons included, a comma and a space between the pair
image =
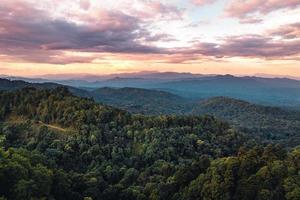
x: 142, y: 101
x: 265, y: 123
x: 55, y: 145
x: 268, y: 124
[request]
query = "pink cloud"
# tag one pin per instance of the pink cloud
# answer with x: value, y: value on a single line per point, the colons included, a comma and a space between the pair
x: 85, y: 4
x: 253, y: 46
x: 28, y: 33
x: 244, y: 46
x: 203, y: 2
x: 250, y: 20
x: 153, y: 10
x: 289, y: 31
x: 242, y: 8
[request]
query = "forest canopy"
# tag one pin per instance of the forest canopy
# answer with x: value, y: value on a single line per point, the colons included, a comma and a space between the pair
x: 58, y: 146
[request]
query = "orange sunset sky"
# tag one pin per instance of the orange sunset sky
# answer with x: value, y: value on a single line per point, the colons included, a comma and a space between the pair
x: 102, y: 37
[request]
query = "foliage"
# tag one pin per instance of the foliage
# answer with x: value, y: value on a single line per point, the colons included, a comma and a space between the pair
x: 99, y: 152
x: 269, y: 124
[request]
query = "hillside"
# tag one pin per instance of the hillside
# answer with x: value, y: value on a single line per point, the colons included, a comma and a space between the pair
x: 6, y: 84
x: 134, y: 100
x: 111, y: 154
x: 141, y: 101
x: 109, y: 150
x: 12, y: 85
x: 268, y: 123
x: 268, y: 91
x: 282, y: 92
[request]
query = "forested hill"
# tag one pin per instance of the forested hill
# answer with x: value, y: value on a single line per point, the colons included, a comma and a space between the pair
x: 60, y: 107
x: 270, y: 124
x: 220, y: 103
x: 58, y: 146
x: 134, y: 100
x: 267, y: 124
x: 268, y: 91
x: 281, y: 92
x: 12, y: 85
x: 142, y: 101
x: 102, y: 150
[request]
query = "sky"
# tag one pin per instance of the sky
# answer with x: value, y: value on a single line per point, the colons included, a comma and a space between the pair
x: 115, y: 36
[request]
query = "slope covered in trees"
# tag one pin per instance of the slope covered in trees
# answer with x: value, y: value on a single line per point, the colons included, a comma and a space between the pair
x: 282, y: 92
x: 58, y: 146
x: 12, y: 85
x: 134, y: 100
x: 111, y: 154
x: 270, y: 124
x: 142, y: 101
x: 267, y: 91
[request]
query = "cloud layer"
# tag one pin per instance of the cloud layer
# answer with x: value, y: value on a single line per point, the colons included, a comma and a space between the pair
x: 31, y: 33
x: 26, y: 31
x: 244, y: 8
x: 203, y: 2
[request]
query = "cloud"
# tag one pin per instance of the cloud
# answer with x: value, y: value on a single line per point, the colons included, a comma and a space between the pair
x: 85, y: 4
x: 4, y: 68
x: 245, y: 8
x: 244, y: 46
x: 29, y: 34
x: 250, y: 20
x: 253, y: 46
x: 49, y: 57
x: 161, y: 37
x: 203, y: 2
x: 289, y: 31
x: 154, y: 10
x: 164, y: 9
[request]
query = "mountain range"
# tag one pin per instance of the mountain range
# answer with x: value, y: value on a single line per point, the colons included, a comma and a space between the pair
x: 135, y: 143
x: 282, y: 92
x: 269, y: 123
x: 54, y: 145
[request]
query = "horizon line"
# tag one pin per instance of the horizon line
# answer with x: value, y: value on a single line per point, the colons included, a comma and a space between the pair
x: 85, y: 76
